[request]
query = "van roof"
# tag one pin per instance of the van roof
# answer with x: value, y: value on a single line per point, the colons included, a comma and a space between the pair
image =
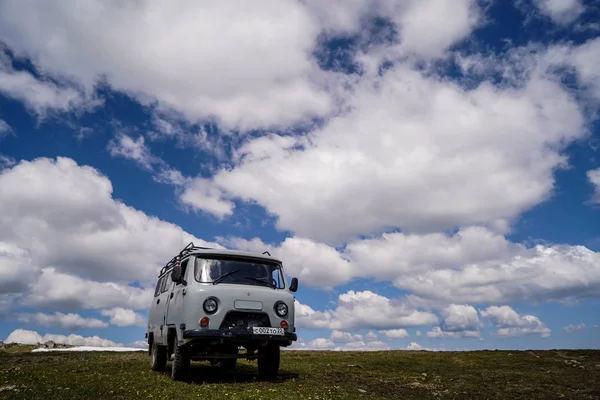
x: 239, y: 253
x: 190, y: 249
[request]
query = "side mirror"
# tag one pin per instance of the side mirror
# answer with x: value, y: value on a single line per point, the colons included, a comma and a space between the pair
x: 294, y: 285
x: 176, y: 274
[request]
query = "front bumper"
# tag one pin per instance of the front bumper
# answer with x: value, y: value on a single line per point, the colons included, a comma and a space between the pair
x: 237, y: 335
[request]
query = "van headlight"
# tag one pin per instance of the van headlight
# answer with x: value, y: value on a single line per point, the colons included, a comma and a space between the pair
x: 281, y: 309
x: 210, y: 305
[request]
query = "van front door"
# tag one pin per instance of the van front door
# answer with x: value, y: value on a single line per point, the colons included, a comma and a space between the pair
x: 155, y: 315
x: 175, y: 301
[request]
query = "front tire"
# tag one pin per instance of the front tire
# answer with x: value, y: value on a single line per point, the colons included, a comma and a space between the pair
x: 268, y: 363
x: 180, y: 366
x: 158, y: 357
x: 229, y: 364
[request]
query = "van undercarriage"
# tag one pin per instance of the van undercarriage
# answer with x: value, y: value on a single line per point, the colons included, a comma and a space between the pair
x: 223, y: 349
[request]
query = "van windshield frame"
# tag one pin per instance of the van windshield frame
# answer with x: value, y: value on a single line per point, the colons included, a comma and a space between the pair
x: 239, y: 270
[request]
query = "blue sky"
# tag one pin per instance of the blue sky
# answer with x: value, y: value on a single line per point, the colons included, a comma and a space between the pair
x: 429, y: 170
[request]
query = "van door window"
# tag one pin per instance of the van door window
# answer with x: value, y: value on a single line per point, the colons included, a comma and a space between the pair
x: 165, y: 285
x: 159, y: 284
x: 184, y: 269
x: 277, y: 278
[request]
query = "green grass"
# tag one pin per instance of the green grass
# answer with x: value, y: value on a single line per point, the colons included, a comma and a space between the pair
x: 310, y: 375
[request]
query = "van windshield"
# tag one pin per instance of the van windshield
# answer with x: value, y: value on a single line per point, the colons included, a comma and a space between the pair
x: 238, y: 271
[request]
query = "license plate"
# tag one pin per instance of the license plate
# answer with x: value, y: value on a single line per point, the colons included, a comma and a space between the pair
x: 258, y: 330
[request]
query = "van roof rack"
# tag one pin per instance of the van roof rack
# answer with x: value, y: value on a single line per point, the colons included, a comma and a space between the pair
x: 184, y: 252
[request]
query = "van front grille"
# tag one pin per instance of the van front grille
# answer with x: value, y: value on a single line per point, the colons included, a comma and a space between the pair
x: 238, y: 320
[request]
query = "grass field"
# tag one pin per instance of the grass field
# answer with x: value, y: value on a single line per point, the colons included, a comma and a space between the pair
x: 310, y: 375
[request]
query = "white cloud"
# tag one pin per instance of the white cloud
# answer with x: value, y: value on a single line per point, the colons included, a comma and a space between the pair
x: 165, y: 128
x: 405, y: 146
x: 371, y: 336
x: 549, y: 272
x: 426, y: 28
x: 594, y: 178
x: 473, y: 265
x: 582, y: 61
x: 459, y: 321
x: 414, y: 346
x: 55, y: 290
x: 561, y: 11
x: 171, y: 126
x: 437, y: 332
x: 363, y: 346
x: 6, y: 302
x: 6, y: 161
x: 64, y: 214
x: 66, y: 244
x: 141, y: 344
x: 226, y: 75
x: 124, y: 317
x: 139, y: 50
x: 32, y: 337
x: 511, y: 324
x: 41, y: 96
x: 202, y: 194
x: 321, y: 344
x: 16, y: 270
x: 87, y: 348
x: 395, y: 256
x: 326, y: 344
x: 5, y: 128
x: 315, y: 264
x: 460, y: 318
x: 341, y: 336
x: 135, y: 149
x: 351, y: 345
x: 395, y: 333
x: 171, y: 176
x: 70, y: 321
x: 572, y: 328
x: 363, y: 310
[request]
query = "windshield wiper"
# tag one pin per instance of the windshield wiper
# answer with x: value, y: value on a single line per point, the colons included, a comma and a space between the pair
x: 270, y: 284
x: 225, y: 275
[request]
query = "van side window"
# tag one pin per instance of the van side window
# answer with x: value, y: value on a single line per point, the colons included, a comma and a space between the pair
x: 158, y: 286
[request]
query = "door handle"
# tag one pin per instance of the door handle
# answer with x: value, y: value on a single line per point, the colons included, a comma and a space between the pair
x: 171, y: 295
x: 157, y: 301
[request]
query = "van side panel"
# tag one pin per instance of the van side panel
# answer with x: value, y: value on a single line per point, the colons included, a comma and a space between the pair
x: 156, y: 318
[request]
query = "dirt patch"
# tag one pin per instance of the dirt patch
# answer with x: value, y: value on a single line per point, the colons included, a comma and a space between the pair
x: 420, y: 385
x: 570, y: 356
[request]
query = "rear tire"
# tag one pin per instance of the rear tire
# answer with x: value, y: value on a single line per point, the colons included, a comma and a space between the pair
x: 268, y: 363
x: 158, y: 357
x: 180, y: 366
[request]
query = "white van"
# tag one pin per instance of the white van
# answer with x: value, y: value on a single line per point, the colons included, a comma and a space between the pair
x: 211, y: 304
